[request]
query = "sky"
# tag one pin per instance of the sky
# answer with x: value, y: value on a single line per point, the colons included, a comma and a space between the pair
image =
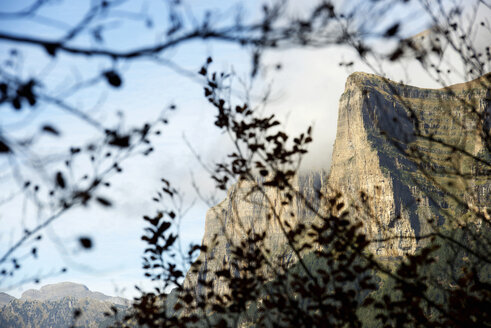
x: 305, y: 91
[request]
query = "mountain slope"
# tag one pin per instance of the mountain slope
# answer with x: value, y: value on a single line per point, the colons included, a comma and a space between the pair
x: 382, y: 145
x: 68, y: 289
x: 54, y: 306
x: 244, y: 212
x: 5, y: 299
x: 414, y: 153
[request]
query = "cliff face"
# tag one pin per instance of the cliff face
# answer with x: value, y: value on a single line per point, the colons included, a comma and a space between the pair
x: 385, y: 161
x: 397, y: 144
x: 245, y: 211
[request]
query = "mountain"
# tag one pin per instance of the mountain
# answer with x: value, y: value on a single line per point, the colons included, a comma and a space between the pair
x: 396, y: 156
x: 68, y: 289
x: 406, y: 160
x: 5, y: 299
x: 54, y: 306
x: 246, y: 211
x: 402, y: 146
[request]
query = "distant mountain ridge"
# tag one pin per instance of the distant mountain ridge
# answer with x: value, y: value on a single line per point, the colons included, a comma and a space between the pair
x: 54, y: 305
x: 68, y: 289
x: 5, y: 299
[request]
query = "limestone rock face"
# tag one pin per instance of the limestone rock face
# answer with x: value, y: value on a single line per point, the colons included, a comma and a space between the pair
x: 246, y: 211
x: 382, y: 145
x: 395, y: 144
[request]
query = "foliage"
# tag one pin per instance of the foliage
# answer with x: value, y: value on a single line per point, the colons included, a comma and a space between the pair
x: 333, y: 279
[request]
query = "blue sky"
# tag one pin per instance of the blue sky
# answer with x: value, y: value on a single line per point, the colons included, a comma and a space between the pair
x: 115, y: 261
x: 306, y: 91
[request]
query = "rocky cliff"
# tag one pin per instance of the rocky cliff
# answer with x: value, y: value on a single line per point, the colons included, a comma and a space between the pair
x: 397, y: 151
x: 414, y: 153
x: 246, y: 211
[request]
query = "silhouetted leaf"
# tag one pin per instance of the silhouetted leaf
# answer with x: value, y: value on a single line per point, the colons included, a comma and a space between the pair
x: 396, y: 54
x: 391, y: 31
x: 16, y: 103
x: 60, y: 181
x: 104, y: 202
x: 3, y: 147
x: 77, y: 313
x: 50, y: 129
x: 85, y: 242
x: 113, y: 78
x: 51, y: 48
x: 119, y: 141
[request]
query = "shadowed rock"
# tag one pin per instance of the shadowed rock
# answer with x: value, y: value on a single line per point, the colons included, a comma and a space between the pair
x: 413, y: 152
